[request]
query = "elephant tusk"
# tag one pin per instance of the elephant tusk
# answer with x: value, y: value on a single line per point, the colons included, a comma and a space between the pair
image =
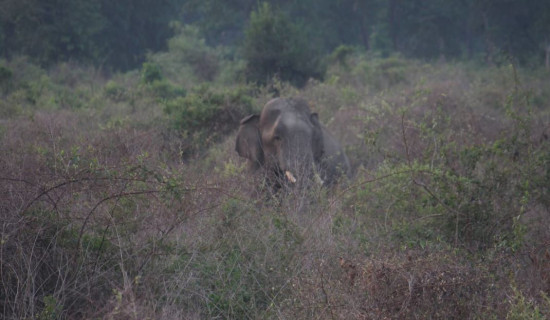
x: 290, y: 176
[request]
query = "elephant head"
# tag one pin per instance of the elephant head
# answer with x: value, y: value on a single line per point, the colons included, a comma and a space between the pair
x: 288, y: 141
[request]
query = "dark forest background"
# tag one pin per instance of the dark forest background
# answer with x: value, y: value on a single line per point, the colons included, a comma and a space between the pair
x: 118, y: 34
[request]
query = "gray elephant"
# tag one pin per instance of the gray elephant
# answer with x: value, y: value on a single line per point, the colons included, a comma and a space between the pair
x: 288, y: 141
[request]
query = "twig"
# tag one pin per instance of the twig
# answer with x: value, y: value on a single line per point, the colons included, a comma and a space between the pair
x: 115, y: 196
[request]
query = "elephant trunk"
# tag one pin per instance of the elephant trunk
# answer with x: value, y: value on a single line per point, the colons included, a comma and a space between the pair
x: 298, y: 168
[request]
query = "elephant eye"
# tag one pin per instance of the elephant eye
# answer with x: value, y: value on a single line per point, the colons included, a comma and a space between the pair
x: 277, y: 138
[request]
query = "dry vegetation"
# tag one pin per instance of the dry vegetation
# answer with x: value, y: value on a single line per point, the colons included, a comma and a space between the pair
x: 121, y: 198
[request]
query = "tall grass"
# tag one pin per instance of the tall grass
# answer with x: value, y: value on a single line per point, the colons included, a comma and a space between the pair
x: 122, y: 199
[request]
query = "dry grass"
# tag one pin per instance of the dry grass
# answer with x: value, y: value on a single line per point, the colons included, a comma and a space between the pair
x: 446, y: 217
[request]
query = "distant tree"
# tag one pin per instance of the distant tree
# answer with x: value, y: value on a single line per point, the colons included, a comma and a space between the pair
x: 220, y: 21
x: 112, y: 33
x: 133, y: 27
x: 118, y: 34
x: 49, y: 30
x: 275, y: 46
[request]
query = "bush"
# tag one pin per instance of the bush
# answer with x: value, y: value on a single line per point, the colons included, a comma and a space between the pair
x: 150, y: 72
x: 454, y: 185
x: 275, y: 46
x: 341, y: 54
x: 189, y: 59
x: 523, y: 309
x: 204, y: 106
x: 6, y: 76
x: 164, y: 89
x: 385, y: 73
x: 114, y: 91
x: 205, y: 115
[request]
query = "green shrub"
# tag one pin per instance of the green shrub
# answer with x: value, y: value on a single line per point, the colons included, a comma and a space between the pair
x: 204, y: 115
x: 341, y: 55
x: 189, y: 59
x: 196, y: 109
x: 164, y: 89
x: 384, y: 73
x: 67, y: 98
x: 9, y: 109
x: 440, y: 184
x: 115, y: 91
x: 6, y: 76
x: 51, y: 309
x: 523, y: 309
x: 188, y: 47
x: 156, y: 84
x: 150, y: 72
x: 205, y: 107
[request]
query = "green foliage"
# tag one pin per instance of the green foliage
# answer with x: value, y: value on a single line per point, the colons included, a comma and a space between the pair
x: 114, y: 90
x: 51, y: 309
x: 118, y: 34
x: 204, y: 107
x: 384, y: 73
x: 341, y: 55
x: 378, y: 74
x: 164, y: 89
x: 435, y: 189
x: 189, y: 60
x: 101, y: 32
x: 188, y: 47
x: 230, y: 296
x: 205, y: 114
x: 6, y: 76
x: 50, y: 31
x: 276, y: 47
x: 246, y: 276
x: 523, y: 309
x: 194, y: 110
x: 150, y: 72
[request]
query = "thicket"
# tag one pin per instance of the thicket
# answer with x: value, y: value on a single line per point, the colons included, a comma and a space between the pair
x: 121, y: 196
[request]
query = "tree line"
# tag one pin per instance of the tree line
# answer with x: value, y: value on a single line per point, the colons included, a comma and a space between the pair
x: 118, y: 34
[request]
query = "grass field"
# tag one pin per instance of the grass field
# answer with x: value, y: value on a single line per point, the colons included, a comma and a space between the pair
x: 121, y: 195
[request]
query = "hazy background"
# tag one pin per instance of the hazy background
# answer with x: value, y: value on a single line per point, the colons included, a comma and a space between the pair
x: 117, y: 34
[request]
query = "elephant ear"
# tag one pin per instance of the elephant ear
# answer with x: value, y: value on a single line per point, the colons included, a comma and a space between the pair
x: 317, y: 142
x: 249, y: 143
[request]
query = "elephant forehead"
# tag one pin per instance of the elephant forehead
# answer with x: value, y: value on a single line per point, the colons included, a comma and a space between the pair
x: 280, y: 107
x: 295, y: 122
x: 287, y: 123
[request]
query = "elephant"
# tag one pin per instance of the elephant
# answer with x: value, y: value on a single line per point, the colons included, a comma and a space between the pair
x: 287, y: 140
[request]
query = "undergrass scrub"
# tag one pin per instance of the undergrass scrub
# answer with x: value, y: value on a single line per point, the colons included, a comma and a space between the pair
x: 121, y: 196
